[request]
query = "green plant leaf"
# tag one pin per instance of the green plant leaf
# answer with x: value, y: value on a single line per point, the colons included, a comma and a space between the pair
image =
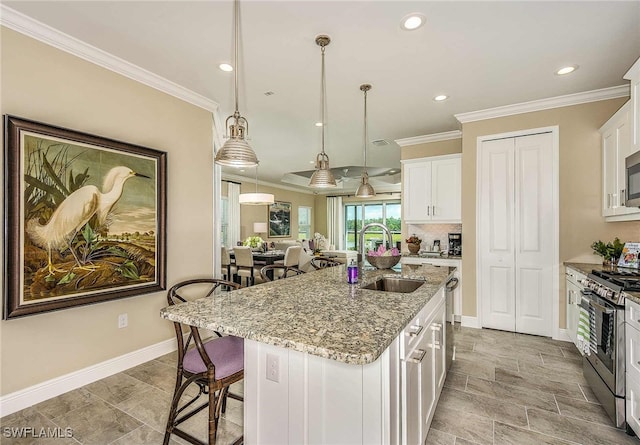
x: 53, y: 176
x: 129, y: 270
x: 67, y: 278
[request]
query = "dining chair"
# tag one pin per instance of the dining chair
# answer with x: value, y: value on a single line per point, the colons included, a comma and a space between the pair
x: 244, y: 264
x: 277, y: 271
x: 213, y: 365
x: 321, y: 263
x: 291, y: 257
x: 228, y: 269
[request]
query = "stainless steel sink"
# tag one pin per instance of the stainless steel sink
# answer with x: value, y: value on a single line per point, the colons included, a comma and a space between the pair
x: 392, y: 284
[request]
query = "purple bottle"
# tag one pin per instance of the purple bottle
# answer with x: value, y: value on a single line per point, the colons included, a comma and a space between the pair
x: 352, y: 272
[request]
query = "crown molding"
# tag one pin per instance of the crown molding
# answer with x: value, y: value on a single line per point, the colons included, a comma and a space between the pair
x: 435, y: 137
x: 545, y: 104
x: 30, y: 27
x: 238, y: 178
x: 633, y: 71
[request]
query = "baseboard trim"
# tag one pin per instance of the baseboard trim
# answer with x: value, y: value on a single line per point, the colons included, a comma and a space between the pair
x: 27, y: 397
x: 470, y: 322
x: 562, y: 335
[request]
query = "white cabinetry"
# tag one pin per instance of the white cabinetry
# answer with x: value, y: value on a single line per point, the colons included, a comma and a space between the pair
x: 422, y: 371
x: 573, y: 296
x: 432, y: 189
x: 634, y: 76
x: 616, y: 146
x: 439, y: 262
x: 389, y: 401
x: 632, y: 333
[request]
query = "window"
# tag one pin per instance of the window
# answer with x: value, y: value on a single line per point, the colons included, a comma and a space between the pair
x: 224, y: 204
x: 304, y: 223
x: 359, y: 214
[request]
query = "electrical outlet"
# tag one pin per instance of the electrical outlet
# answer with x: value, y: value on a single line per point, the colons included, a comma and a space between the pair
x: 273, y: 368
x: 123, y: 321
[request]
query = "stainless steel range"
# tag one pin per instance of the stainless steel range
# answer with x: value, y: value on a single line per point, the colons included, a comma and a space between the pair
x: 604, y: 368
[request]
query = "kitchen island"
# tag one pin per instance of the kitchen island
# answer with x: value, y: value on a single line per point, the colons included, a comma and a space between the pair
x: 330, y: 362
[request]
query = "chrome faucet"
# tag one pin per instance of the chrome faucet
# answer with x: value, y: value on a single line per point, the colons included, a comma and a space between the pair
x: 364, y: 229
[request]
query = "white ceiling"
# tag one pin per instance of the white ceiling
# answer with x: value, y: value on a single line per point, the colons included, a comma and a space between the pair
x: 481, y: 54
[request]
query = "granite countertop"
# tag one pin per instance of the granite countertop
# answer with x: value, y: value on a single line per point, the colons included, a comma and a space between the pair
x: 318, y: 312
x: 586, y: 269
x: 428, y: 257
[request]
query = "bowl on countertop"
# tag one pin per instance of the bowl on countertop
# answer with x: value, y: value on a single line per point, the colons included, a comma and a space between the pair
x: 383, y: 262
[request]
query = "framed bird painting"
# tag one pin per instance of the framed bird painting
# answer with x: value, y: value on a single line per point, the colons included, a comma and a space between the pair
x: 85, y: 218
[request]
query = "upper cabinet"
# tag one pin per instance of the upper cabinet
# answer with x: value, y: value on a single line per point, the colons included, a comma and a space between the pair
x: 620, y: 138
x: 634, y: 76
x: 432, y: 189
x: 616, y: 146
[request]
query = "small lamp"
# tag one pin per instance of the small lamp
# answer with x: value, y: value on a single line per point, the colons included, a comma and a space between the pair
x: 260, y: 227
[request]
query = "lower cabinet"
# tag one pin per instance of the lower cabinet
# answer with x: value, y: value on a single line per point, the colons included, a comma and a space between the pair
x: 318, y: 400
x: 423, y: 373
x: 632, y: 381
x: 573, y: 297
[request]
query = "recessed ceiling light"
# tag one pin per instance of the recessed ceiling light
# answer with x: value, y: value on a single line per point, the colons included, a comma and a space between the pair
x: 567, y: 70
x: 412, y: 21
x: 441, y: 97
x: 225, y: 67
x: 318, y: 124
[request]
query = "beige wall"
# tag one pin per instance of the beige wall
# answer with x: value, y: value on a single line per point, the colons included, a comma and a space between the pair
x: 250, y: 214
x: 320, y: 218
x: 439, y: 148
x: 50, y: 86
x: 580, y: 185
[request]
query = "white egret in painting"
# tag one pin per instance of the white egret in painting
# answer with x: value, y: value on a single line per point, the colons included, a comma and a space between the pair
x: 76, y: 210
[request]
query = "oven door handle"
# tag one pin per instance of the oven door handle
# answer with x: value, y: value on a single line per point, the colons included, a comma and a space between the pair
x: 601, y: 308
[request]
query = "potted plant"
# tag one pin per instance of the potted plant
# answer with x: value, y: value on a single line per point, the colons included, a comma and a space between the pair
x: 413, y: 243
x: 255, y: 242
x: 610, y: 252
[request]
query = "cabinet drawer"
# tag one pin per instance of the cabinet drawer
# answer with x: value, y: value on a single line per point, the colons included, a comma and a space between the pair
x: 633, y: 403
x: 574, y: 276
x: 632, y: 313
x: 413, y: 333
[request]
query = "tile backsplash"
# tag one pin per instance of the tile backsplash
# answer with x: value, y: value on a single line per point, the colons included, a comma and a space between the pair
x: 430, y: 232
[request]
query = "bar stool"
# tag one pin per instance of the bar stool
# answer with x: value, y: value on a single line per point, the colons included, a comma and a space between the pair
x: 278, y: 271
x: 321, y: 263
x: 244, y: 264
x: 212, y: 365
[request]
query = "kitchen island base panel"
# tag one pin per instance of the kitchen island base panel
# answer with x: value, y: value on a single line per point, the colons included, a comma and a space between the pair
x: 318, y: 400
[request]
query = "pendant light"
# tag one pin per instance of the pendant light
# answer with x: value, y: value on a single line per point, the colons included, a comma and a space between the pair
x: 236, y: 152
x: 322, y: 177
x: 256, y: 199
x: 365, y: 190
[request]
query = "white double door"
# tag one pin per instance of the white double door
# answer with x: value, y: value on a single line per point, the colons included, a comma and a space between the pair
x: 516, y: 220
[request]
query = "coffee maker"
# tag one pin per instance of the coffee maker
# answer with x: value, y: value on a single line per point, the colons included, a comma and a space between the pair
x: 455, y: 244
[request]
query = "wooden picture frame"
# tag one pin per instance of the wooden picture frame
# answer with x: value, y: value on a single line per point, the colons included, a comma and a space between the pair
x: 84, y: 218
x: 279, y: 216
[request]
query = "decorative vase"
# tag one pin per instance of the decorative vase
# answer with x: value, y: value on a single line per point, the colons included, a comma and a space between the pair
x: 413, y: 248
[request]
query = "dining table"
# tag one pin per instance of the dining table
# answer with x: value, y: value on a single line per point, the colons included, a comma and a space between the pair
x: 263, y: 259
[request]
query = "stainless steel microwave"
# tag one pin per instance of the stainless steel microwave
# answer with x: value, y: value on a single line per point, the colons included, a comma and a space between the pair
x: 632, y: 164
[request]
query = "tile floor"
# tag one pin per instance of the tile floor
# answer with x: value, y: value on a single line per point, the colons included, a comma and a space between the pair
x: 503, y: 388
x: 514, y: 389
